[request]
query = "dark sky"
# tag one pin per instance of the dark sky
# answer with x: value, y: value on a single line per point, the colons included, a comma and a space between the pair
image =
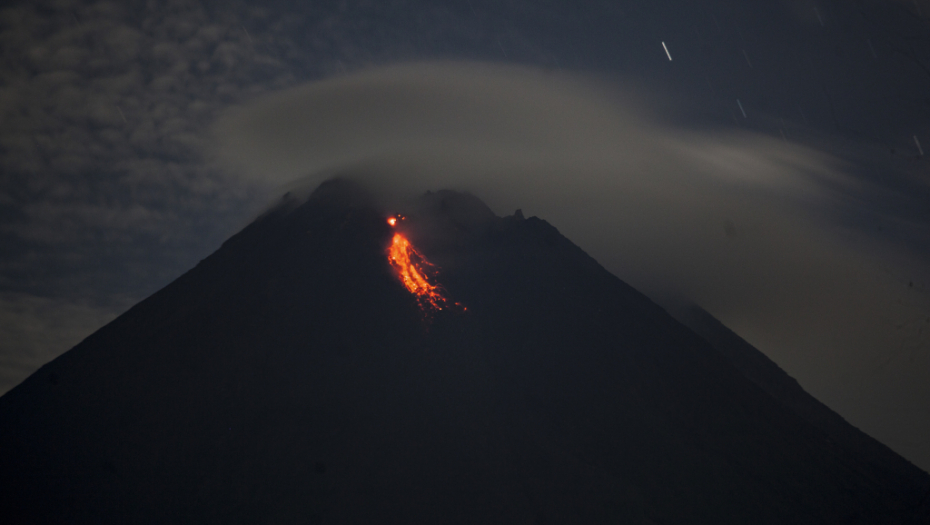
x: 772, y: 171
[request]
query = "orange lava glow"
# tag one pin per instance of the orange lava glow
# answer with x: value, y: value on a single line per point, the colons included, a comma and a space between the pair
x: 414, y: 271
x: 392, y: 221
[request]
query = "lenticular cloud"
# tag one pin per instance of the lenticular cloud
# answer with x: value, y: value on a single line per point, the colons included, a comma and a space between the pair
x: 745, y: 225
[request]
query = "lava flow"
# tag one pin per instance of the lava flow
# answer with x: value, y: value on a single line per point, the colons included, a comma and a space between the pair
x: 414, y: 271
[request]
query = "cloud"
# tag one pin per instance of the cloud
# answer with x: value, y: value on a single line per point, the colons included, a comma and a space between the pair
x: 754, y: 229
x: 103, y: 110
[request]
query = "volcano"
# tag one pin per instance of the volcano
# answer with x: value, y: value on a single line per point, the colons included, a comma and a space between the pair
x: 292, y: 377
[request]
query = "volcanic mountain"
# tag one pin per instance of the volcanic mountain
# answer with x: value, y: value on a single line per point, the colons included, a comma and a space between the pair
x: 294, y: 377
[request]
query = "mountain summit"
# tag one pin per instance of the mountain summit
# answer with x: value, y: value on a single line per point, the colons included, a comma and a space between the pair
x: 294, y: 376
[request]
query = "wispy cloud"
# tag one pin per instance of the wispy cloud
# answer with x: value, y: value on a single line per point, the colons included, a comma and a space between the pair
x: 104, y: 108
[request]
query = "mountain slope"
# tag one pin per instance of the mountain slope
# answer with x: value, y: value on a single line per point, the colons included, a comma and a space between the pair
x: 290, y: 377
x: 777, y: 383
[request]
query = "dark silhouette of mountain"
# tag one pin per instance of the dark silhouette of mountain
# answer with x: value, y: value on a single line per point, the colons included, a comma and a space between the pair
x: 290, y: 377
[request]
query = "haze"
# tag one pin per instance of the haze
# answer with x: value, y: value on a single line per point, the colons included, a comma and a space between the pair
x: 751, y: 227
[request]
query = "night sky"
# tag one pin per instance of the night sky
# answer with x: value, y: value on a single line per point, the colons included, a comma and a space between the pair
x: 762, y: 159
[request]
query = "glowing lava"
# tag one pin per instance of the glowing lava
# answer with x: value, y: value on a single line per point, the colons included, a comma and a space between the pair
x: 415, y: 271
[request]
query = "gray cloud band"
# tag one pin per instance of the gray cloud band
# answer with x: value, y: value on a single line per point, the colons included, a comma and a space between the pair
x: 746, y: 225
